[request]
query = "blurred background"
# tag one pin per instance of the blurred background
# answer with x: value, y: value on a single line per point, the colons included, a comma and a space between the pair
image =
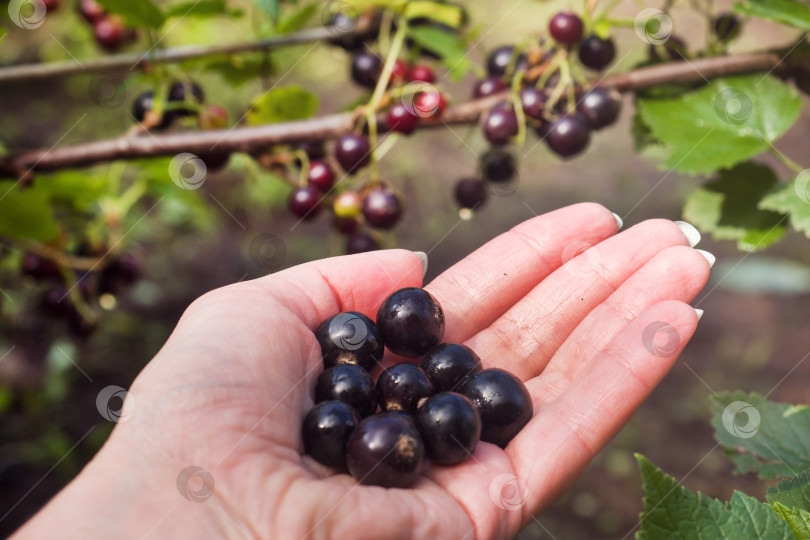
x: 755, y: 331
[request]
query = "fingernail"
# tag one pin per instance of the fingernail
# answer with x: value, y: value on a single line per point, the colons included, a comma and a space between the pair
x: 699, y: 313
x: 709, y: 257
x: 690, y: 232
x: 619, y: 221
x: 422, y: 260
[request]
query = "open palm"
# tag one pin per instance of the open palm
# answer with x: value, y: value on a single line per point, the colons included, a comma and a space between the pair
x: 591, y: 320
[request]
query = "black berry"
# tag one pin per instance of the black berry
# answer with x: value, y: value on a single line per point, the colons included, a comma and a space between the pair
x: 600, y: 107
x: 40, y: 268
x: 569, y: 135
x: 596, y: 53
x: 120, y: 273
x: 450, y: 427
x: 56, y: 303
x: 533, y: 102
x: 382, y: 208
x: 215, y: 161
x: 566, y: 28
x: 326, y: 431
x: 411, y: 322
x: 402, y: 387
x: 502, y: 401
x: 500, y: 60
x: 401, y: 120
x: 488, y: 87
x: 353, y: 152
x: 366, y: 69
x: 313, y: 149
x: 498, y: 165
x: 726, y: 26
x: 350, y: 338
x: 448, y: 364
x: 386, y: 450
x: 305, y: 202
x: 144, y: 106
x: 350, y: 384
x: 500, y: 126
x: 186, y: 92
x: 320, y: 175
x: 470, y: 193
x: 361, y: 243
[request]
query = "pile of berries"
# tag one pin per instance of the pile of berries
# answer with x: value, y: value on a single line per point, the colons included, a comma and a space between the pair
x: 437, y: 409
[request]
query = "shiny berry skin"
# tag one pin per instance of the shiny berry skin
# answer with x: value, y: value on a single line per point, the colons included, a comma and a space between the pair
x: 91, y: 10
x: 500, y: 126
x: 470, y: 193
x: 429, y: 104
x: 421, y: 73
x: 448, y: 364
x: 500, y: 60
x: 450, y: 427
x: 350, y: 338
x: 320, y: 175
x: 186, y: 92
x: 402, y: 387
x: 305, y: 202
x: 361, y: 243
x: 343, y: 21
x: 498, y: 165
x: 143, y: 105
x: 533, y: 102
x: 366, y: 69
x: 411, y: 322
x: 347, y: 205
x: 109, y: 32
x: 600, y: 107
x: 401, y: 120
x: 726, y: 26
x: 596, y: 53
x: 569, y: 135
x: 353, y: 152
x: 566, y: 28
x: 382, y: 208
x: 487, y: 87
x: 350, y: 384
x: 326, y: 431
x: 502, y: 401
x: 386, y: 450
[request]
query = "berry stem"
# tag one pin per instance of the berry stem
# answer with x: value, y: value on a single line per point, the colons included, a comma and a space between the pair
x: 517, y: 105
x: 303, y: 175
x: 786, y: 161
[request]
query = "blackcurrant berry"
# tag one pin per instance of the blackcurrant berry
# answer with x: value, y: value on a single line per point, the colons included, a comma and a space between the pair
x: 502, y: 401
x: 448, y: 364
x: 450, y: 427
x: 350, y: 384
x: 91, y: 10
x: 343, y: 21
x: 421, y: 73
x: 489, y: 86
x: 109, y: 32
x: 470, y: 193
x: 40, y: 268
x: 403, y: 387
x: 186, y: 92
x: 429, y: 104
x: 569, y: 135
x: 366, y: 69
x: 350, y: 338
x: 501, y: 59
x: 313, y: 149
x: 386, y: 450
x: 382, y: 208
x: 305, y: 202
x: 143, y: 111
x: 726, y: 26
x: 320, y: 176
x: 401, y: 120
x: 353, y: 152
x: 498, y: 165
x: 600, y: 107
x: 596, y: 53
x: 533, y: 102
x: 500, y: 126
x: 411, y: 322
x: 326, y: 431
x: 566, y: 28
x: 361, y: 243
x: 215, y: 161
x: 120, y: 273
x: 56, y: 303
x: 345, y: 225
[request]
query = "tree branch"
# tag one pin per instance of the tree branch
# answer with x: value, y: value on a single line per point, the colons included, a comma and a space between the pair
x: 251, y: 138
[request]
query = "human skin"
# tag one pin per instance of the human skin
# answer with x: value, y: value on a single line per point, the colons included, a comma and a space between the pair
x: 229, y: 389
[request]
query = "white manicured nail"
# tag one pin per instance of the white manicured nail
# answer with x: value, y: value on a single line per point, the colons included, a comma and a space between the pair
x: 699, y: 313
x: 690, y: 232
x: 709, y: 257
x: 422, y: 260
x: 619, y: 221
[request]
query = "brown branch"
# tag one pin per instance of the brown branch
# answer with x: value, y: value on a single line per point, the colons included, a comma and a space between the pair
x: 248, y: 139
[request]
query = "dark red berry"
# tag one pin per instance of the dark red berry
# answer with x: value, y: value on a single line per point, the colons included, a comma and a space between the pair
x: 382, y: 208
x: 305, y: 202
x: 600, y: 107
x: 40, y: 268
x: 353, y: 152
x: 350, y: 338
x: 498, y: 165
x: 402, y: 387
x: 596, y: 53
x: 313, y: 149
x: 488, y: 87
x: 502, y: 401
x: 186, y: 92
x: 501, y: 59
x: 350, y: 384
x: 212, y: 117
x: 450, y: 427
x: 500, y: 126
x: 401, y: 120
x: 448, y: 364
x: 726, y: 26
x: 411, y: 322
x: 470, y: 193
x: 569, y: 135
x: 326, y: 431
x: 345, y: 225
x: 144, y: 113
x: 91, y: 10
x: 400, y: 71
x: 50, y: 5
x: 109, y: 32
x: 566, y: 28
x: 361, y: 243
x: 386, y: 450
x: 429, y: 103
x: 421, y: 73
x: 533, y: 102
x: 320, y: 176
x: 366, y: 69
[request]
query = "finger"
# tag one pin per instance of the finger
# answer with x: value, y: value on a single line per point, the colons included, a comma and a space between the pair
x: 478, y: 289
x: 525, y: 338
x: 570, y: 431
x: 677, y: 273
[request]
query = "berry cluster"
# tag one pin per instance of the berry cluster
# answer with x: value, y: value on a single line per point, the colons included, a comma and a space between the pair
x: 109, y: 30
x: 438, y: 409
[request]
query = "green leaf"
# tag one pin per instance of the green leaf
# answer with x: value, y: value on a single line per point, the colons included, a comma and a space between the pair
x: 79, y: 189
x: 788, y: 12
x: 197, y: 8
x: 143, y: 13
x: 447, y: 14
x: 239, y: 69
x: 282, y: 105
x: 447, y: 45
x: 296, y: 20
x: 723, y: 123
x: 793, y: 493
x: 26, y: 214
x: 793, y: 200
x: 271, y: 7
x: 771, y: 439
x: 728, y: 207
x: 797, y: 519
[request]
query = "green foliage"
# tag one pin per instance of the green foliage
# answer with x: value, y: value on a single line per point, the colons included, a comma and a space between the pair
x: 446, y: 14
x: 723, y: 123
x: 449, y: 47
x: 271, y: 7
x: 297, y: 19
x: 26, y: 214
x: 797, y: 519
x: 788, y: 12
x: 791, y: 501
x: 793, y: 200
x: 283, y: 104
x: 143, y: 13
x: 197, y: 8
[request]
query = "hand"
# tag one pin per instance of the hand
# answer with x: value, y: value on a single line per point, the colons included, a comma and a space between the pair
x: 230, y: 388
